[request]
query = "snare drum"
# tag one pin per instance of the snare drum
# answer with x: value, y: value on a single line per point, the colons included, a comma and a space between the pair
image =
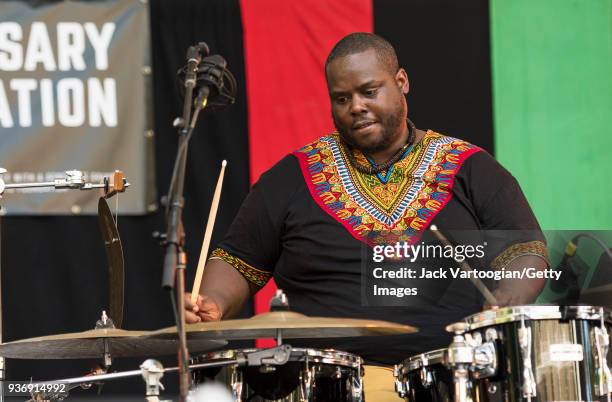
x: 424, y: 378
x: 310, y: 375
x: 540, y: 353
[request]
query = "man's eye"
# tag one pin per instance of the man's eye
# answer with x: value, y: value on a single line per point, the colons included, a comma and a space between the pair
x: 371, y: 92
x: 341, y: 99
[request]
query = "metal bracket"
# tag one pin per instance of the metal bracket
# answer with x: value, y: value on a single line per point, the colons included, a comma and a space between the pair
x: 601, y: 339
x: 268, y: 358
x: 152, y: 372
x: 529, y: 383
x: 459, y: 357
x: 401, y: 386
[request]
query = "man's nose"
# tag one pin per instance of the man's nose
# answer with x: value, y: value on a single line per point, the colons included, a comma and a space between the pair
x: 358, y: 105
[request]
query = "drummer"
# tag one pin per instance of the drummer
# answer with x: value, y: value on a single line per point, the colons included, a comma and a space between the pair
x: 308, y: 219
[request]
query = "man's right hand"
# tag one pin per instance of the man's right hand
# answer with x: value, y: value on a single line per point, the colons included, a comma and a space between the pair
x: 205, y: 309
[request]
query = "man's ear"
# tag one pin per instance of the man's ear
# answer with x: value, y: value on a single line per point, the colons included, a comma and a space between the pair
x: 401, y: 78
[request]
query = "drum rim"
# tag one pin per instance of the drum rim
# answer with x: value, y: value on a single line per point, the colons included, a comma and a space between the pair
x: 506, y: 315
x: 327, y: 356
x: 426, y: 359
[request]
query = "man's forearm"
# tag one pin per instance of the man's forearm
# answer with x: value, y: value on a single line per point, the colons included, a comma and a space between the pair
x: 226, y: 286
x: 524, y: 291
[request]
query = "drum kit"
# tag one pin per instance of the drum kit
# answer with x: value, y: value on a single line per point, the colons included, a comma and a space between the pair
x: 519, y: 353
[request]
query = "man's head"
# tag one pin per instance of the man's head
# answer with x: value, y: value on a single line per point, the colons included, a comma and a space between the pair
x: 366, y: 88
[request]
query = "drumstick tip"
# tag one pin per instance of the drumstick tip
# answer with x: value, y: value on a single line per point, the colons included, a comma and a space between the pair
x: 433, y: 227
x: 224, y: 163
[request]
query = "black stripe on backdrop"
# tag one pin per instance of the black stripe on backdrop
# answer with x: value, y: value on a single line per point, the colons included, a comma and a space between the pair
x: 444, y: 47
x: 54, y: 268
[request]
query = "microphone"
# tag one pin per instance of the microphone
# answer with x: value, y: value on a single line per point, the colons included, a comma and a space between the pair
x: 569, y: 277
x: 194, y: 57
x: 568, y: 281
x: 216, y: 85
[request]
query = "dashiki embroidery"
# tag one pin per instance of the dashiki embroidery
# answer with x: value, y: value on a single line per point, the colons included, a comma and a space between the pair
x: 396, y: 206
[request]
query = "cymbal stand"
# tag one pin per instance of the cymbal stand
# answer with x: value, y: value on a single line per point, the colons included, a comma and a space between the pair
x: 106, y: 322
x: 73, y: 179
x: 152, y: 371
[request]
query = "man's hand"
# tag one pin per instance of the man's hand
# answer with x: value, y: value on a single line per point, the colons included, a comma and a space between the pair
x: 506, y: 298
x: 205, y: 309
x: 516, y: 292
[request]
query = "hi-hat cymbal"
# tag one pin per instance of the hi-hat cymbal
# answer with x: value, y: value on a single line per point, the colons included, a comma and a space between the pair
x: 292, y: 325
x: 90, y: 345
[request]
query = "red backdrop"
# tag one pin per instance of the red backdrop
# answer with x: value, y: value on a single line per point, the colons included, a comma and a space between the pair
x: 286, y: 43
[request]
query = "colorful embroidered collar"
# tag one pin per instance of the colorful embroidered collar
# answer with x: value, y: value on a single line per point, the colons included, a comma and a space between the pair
x: 399, y: 205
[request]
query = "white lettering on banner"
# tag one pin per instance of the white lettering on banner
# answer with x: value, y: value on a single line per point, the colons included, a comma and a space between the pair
x: 102, y: 102
x: 47, y: 101
x: 6, y: 120
x: 70, y: 102
x: 23, y: 87
x: 100, y: 42
x: 39, y: 49
x: 70, y: 99
x: 70, y: 46
x: 62, y: 100
x: 11, y: 53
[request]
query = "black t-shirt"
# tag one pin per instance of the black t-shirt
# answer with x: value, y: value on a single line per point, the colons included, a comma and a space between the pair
x: 296, y: 225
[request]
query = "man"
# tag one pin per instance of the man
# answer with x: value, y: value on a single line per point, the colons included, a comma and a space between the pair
x: 377, y: 180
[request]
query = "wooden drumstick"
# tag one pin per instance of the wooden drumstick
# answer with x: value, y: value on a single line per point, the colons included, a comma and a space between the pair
x: 484, y: 290
x: 207, y: 235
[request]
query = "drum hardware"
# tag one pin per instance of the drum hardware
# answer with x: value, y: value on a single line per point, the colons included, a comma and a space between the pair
x: 485, y: 361
x: 529, y: 383
x: 357, y: 386
x: 73, y: 179
x: 491, y: 335
x: 152, y: 372
x: 267, y: 359
x: 401, y: 387
x: 542, y: 352
x: 106, y: 323
x: 308, y: 375
x: 237, y: 383
x: 426, y: 377
x: 459, y: 357
x: 601, y: 340
x: 279, y: 302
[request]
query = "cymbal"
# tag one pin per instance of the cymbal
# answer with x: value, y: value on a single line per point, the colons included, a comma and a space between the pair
x: 292, y: 325
x: 90, y: 345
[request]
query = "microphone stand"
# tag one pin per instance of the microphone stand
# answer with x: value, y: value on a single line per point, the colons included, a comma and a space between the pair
x: 175, y: 259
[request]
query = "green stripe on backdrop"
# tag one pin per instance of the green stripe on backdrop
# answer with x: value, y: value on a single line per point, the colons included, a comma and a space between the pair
x: 552, y: 95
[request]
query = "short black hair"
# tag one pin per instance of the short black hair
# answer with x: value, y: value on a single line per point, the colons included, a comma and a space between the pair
x: 358, y: 42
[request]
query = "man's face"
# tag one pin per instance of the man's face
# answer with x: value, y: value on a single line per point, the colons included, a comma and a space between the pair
x: 367, y: 101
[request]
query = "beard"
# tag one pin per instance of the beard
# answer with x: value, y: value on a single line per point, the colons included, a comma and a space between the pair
x: 389, y: 126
